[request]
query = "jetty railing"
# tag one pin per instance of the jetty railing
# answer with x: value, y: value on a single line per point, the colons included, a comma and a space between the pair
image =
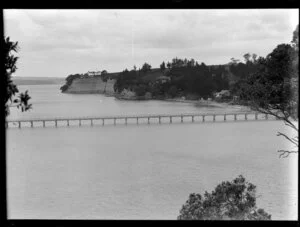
x: 192, y: 116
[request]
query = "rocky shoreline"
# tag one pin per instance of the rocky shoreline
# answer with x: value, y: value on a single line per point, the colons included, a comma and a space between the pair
x: 198, y: 103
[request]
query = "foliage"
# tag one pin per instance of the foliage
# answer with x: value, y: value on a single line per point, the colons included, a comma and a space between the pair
x: 272, y: 80
x: 163, y: 66
x: 234, y: 61
x: 10, y: 67
x: 126, y: 79
x: 156, y: 90
x: 64, y: 87
x: 140, y: 90
x: 254, y: 56
x: 273, y: 89
x: 247, y: 57
x: 186, y: 75
x: 69, y: 81
x: 169, y: 65
x: 146, y: 67
x: 103, y: 72
x: 233, y: 200
x: 197, y: 80
x: 243, y: 70
x: 177, y: 62
x: 172, y: 91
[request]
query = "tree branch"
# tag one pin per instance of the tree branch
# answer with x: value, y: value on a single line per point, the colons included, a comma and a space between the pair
x: 284, y: 118
x: 289, y: 139
x: 285, y: 153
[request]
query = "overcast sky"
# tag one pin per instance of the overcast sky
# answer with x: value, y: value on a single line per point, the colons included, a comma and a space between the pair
x: 56, y: 43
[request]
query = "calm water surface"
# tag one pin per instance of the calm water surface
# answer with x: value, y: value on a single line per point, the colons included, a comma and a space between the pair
x: 138, y: 172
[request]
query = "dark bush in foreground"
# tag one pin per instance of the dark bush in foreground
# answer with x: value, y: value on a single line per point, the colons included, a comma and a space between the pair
x: 229, y: 201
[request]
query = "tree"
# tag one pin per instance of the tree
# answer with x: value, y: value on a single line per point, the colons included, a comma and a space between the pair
x: 254, y: 56
x: 191, y: 63
x: 169, y: 65
x: 273, y: 89
x: 233, y: 200
x: 163, y: 66
x: 247, y: 57
x: 172, y: 91
x: 103, y: 72
x: 104, y: 77
x: 234, y: 61
x: 10, y: 67
x: 140, y: 90
x: 69, y: 80
x: 146, y: 67
x: 177, y: 62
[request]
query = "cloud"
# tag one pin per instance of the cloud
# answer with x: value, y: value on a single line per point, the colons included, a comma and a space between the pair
x: 67, y: 40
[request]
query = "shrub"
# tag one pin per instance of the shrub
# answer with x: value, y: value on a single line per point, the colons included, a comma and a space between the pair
x: 229, y: 201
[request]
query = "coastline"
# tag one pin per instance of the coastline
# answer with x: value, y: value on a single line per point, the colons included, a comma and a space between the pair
x: 212, y: 103
x: 198, y: 103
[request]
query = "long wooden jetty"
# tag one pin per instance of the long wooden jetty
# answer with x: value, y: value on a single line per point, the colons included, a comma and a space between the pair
x: 186, y: 117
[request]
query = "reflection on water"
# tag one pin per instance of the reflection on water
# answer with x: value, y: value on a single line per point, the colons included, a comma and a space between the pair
x: 139, y: 172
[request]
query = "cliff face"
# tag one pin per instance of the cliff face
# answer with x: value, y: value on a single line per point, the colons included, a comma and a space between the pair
x: 91, y: 85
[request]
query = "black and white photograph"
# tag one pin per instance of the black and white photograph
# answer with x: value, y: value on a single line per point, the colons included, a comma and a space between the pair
x: 151, y: 114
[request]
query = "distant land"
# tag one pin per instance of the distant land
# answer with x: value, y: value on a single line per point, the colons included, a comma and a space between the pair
x: 38, y: 80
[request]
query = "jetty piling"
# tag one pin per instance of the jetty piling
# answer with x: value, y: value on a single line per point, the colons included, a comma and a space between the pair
x: 137, y: 117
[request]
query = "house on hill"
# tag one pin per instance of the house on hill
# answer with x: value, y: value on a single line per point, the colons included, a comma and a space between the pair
x: 92, y: 73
